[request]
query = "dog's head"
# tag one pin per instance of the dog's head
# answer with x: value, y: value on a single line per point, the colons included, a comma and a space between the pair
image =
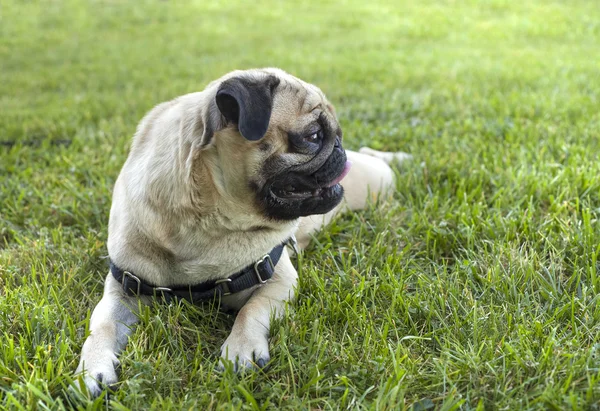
x: 274, y: 139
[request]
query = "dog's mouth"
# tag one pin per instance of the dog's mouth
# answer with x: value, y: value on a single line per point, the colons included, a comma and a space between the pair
x: 301, y: 191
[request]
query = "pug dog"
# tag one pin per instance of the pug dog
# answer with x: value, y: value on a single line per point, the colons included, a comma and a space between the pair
x: 216, y: 185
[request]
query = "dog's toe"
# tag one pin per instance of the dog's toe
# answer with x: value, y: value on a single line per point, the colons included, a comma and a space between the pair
x: 261, y: 362
x: 245, y: 352
x: 243, y: 364
x: 94, y: 388
x: 102, y: 376
x: 89, y: 386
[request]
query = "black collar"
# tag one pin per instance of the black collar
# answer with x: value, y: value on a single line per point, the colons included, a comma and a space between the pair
x: 258, y: 273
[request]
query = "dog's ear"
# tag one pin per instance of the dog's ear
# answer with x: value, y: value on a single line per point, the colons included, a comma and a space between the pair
x: 247, y: 102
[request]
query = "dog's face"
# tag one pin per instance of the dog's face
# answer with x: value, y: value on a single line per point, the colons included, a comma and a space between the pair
x: 278, y: 143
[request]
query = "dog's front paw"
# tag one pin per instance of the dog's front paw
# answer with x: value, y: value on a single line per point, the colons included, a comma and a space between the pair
x: 246, y: 350
x: 98, y: 373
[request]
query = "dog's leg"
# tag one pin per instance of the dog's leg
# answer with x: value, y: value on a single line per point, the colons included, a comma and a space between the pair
x: 247, y: 345
x: 369, y: 178
x: 110, y: 326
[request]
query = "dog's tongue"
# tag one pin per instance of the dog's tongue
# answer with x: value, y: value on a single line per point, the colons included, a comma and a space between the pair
x: 341, y: 176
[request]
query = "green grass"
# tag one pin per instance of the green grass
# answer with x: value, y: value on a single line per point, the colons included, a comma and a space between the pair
x: 477, y: 287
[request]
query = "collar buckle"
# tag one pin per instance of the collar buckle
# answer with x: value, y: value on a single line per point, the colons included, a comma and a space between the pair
x: 266, y: 258
x: 125, y: 283
x: 225, y: 290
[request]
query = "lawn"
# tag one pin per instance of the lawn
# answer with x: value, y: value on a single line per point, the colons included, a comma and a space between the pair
x: 476, y: 287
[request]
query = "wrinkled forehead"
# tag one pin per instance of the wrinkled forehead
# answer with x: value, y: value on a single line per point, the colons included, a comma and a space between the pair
x: 307, y: 96
x: 298, y: 104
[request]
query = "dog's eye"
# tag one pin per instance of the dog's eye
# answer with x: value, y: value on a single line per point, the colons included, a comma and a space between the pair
x: 314, y: 137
